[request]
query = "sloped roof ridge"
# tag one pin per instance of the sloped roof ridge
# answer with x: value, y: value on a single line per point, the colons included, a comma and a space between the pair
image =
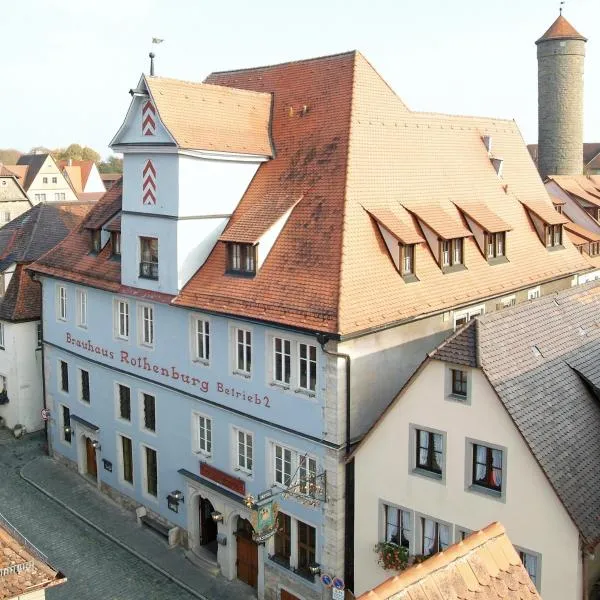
x: 469, y: 333
x: 210, y: 85
x: 465, y: 117
x: 283, y: 64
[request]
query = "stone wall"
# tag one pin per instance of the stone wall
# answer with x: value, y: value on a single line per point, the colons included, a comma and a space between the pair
x: 560, y: 107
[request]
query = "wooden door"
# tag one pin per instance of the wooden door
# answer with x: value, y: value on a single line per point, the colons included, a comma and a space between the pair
x: 247, y: 561
x: 287, y: 596
x: 90, y: 452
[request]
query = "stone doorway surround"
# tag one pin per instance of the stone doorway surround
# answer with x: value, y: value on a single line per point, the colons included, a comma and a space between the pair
x: 83, y: 431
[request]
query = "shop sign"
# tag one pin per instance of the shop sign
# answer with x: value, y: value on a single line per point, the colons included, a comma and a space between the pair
x: 264, y: 521
x: 235, y: 484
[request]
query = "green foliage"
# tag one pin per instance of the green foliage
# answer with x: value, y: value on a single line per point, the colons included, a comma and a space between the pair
x: 391, y: 556
x: 9, y: 156
x: 113, y: 164
x: 76, y: 152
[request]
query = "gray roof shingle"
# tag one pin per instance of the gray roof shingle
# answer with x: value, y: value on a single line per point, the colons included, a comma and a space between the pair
x: 542, y: 359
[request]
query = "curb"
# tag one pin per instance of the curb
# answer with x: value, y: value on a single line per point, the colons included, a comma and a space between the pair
x: 112, y: 538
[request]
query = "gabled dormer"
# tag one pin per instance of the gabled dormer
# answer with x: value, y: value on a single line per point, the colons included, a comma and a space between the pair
x: 445, y: 235
x: 489, y: 230
x: 547, y: 222
x: 190, y: 151
x: 252, y: 233
x: 401, y: 238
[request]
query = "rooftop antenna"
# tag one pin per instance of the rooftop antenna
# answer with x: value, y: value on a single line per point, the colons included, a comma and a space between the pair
x: 561, y: 7
x: 152, y: 55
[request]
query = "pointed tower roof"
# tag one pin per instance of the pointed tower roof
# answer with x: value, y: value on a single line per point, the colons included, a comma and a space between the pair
x: 561, y: 29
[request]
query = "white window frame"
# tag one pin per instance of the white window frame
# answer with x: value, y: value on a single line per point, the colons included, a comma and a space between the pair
x: 309, y: 361
x: 200, y: 341
x: 81, y: 308
x: 534, y: 293
x: 142, y: 319
x: 119, y: 333
x: 243, y: 468
x: 145, y: 492
x: 297, y: 457
x: 469, y: 313
x: 142, y: 412
x: 120, y: 474
x: 202, y: 441
x: 419, y: 532
x: 282, y: 459
x: 61, y: 302
x: 279, y: 356
x: 234, y: 349
x: 2, y: 332
x: 118, y: 416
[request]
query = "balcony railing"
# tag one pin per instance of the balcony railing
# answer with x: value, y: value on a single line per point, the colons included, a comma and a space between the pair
x: 149, y: 270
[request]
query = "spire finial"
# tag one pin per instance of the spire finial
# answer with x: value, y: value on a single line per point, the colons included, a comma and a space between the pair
x: 151, y: 55
x: 561, y: 7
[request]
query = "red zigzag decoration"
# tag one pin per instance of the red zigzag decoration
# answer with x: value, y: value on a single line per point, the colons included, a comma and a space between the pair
x: 149, y: 183
x: 148, y: 119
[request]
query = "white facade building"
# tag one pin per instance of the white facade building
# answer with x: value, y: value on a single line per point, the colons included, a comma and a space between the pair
x: 497, y: 424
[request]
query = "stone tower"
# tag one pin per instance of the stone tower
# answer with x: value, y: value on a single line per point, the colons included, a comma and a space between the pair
x: 560, y: 53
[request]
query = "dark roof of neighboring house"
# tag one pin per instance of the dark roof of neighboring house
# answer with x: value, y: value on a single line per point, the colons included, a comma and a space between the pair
x: 541, y: 357
x: 329, y: 269
x: 485, y: 565
x: 34, y: 162
x: 25, y: 239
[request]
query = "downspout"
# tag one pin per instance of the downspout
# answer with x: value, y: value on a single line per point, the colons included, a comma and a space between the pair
x: 322, y: 339
x: 585, y: 553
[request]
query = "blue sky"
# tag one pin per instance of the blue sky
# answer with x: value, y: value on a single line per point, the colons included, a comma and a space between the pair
x: 67, y: 66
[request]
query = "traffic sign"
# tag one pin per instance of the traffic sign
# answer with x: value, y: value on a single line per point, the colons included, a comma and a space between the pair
x: 338, y: 583
x: 326, y: 580
x: 337, y: 594
x: 45, y: 413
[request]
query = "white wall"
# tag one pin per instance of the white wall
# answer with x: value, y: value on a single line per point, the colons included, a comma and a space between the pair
x: 94, y: 182
x: 212, y: 187
x: 572, y: 209
x: 20, y: 363
x: 50, y: 170
x: 532, y: 513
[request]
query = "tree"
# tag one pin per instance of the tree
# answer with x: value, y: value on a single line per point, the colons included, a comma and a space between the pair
x: 113, y: 164
x: 76, y: 152
x: 9, y: 156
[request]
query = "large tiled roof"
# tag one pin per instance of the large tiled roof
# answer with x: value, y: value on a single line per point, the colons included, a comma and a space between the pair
x: 211, y: 117
x: 33, y: 162
x: 23, y: 570
x: 25, y: 239
x: 348, y: 148
x: 561, y: 29
x: 20, y: 171
x: 579, y: 186
x: 582, y: 232
x: 537, y: 356
x: 484, y: 565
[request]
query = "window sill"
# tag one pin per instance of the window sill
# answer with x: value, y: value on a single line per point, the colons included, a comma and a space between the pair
x: 246, y: 274
x: 148, y: 277
x: 244, y: 472
x: 207, y: 455
x: 419, y: 471
x: 304, y: 392
x: 497, y: 260
x: 242, y: 374
x: 454, y: 269
x: 409, y: 278
x: 555, y: 248
x: 458, y: 398
x: 479, y: 489
x: 282, y: 386
x: 201, y: 361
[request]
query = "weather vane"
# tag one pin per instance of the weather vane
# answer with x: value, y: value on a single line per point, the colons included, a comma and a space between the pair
x: 152, y: 55
x: 559, y: 10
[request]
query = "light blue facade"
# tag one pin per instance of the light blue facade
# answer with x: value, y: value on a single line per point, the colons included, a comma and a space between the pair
x: 181, y: 387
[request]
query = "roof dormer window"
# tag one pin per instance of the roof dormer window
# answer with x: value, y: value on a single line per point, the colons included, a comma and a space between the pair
x: 553, y: 236
x: 451, y: 253
x: 96, y: 240
x: 115, y: 238
x: 241, y: 258
x: 408, y: 259
x: 495, y: 244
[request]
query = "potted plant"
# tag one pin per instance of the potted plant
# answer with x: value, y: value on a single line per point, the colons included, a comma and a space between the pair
x: 391, y: 556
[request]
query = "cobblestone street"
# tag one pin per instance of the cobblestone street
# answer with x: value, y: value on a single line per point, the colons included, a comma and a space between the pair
x: 97, y: 568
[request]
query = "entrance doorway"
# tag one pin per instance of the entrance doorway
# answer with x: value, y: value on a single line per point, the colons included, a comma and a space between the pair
x: 247, y: 553
x: 90, y: 454
x: 208, y: 527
